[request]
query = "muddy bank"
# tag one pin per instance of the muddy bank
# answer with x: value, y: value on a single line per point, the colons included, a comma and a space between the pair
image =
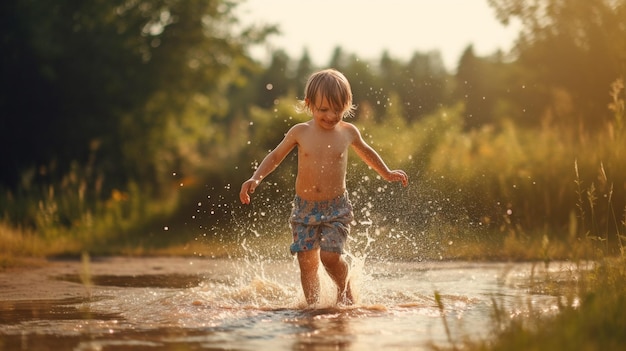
x: 73, y: 278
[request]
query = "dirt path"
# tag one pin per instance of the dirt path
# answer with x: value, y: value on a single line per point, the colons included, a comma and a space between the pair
x: 42, y: 282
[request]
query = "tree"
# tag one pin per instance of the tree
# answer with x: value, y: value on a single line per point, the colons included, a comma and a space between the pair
x: 424, y: 85
x: 303, y: 71
x: 575, y: 48
x: 478, y: 86
x: 366, y: 86
x: 338, y: 59
x: 141, y: 84
x: 274, y: 81
x: 419, y: 83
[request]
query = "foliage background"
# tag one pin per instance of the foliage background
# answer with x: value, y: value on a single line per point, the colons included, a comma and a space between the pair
x: 128, y: 125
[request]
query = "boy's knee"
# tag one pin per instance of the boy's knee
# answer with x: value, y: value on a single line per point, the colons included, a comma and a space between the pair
x: 308, y: 260
x: 330, y: 258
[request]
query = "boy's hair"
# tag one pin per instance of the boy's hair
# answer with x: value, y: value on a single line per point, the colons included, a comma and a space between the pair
x: 332, y: 85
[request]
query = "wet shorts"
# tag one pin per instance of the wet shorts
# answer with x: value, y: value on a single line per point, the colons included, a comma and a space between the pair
x: 320, y: 224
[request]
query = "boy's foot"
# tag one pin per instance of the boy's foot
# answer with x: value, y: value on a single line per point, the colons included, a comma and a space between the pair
x: 345, y: 298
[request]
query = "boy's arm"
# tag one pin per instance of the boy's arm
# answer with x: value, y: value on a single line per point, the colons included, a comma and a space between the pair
x: 373, y: 159
x: 268, y: 165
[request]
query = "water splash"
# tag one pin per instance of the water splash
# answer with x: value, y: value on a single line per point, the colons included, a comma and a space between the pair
x: 250, y: 304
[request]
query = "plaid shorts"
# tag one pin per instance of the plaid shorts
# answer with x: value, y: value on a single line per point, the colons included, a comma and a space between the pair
x: 320, y: 224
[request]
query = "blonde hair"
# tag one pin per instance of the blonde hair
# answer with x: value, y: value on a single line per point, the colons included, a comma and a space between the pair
x: 328, y: 84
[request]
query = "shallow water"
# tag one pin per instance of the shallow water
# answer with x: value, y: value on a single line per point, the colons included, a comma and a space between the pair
x: 237, y: 304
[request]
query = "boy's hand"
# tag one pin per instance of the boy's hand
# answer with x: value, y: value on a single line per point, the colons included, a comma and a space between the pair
x: 247, y: 188
x: 398, y: 176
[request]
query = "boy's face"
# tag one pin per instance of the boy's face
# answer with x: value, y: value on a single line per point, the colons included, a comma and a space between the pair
x: 325, y: 114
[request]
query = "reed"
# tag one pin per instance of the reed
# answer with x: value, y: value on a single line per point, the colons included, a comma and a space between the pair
x: 499, y: 192
x: 591, y: 312
x: 442, y: 312
x: 71, y: 216
x: 590, y: 317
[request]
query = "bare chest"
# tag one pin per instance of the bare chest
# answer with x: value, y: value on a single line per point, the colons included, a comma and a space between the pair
x: 324, y: 150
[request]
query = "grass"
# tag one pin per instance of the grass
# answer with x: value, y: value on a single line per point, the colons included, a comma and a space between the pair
x: 501, y: 192
x: 591, y: 317
x: 71, y: 217
x: 591, y: 312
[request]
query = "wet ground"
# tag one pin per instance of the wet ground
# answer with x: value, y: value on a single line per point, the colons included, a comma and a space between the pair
x: 237, y: 304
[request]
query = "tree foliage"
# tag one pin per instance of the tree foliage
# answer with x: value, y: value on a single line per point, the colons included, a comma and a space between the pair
x: 573, y: 50
x: 126, y: 93
x: 137, y: 84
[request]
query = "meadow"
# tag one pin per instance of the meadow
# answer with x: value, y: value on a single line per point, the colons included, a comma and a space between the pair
x: 524, y: 194
x: 502, y: 192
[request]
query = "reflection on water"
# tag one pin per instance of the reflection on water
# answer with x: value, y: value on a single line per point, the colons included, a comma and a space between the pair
x: 63, y: 309
x: 244, y: 305
x: 174, y: 281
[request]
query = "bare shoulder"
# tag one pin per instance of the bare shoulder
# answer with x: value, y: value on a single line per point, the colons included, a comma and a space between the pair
x: 298, y: 129
x: 351, y: 130
x: 348, y: 127
x: 301, y: 127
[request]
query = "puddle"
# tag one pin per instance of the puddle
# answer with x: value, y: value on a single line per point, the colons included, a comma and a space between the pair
x: 54, y: 310
x: 171, y: 281
x: 185, y: 304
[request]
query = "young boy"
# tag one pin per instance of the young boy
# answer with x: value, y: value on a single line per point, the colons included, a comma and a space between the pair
x: 321, y: 216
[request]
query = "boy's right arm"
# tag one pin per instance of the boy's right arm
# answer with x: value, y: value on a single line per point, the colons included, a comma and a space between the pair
x: 268, y: 165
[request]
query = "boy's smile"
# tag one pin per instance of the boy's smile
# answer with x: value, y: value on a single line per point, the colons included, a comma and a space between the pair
x: 326, y: 115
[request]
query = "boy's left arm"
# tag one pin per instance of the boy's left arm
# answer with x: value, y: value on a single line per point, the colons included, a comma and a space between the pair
x: 373, y: 159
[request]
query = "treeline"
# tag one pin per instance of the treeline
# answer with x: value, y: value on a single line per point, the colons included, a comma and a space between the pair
x: 106, y: 101
x: 139, y: 87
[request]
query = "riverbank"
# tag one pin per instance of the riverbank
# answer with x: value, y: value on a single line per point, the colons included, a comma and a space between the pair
x: 18, y: 283
x: 161, y: 303
x: 591, y: 318
x: 590, y: 304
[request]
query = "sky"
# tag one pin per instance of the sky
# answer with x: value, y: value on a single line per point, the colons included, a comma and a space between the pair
x: 367, y: 28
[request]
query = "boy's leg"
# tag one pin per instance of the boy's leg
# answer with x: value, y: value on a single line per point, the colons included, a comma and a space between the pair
x: 337, y: 269
x: 309, y: 263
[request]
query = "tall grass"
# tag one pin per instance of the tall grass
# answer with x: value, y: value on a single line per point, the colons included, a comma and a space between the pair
x: 499, y: 192
x: 547, y: 193
x: 72, y: 216
x: 591, y: 312
x: 590, y: 317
